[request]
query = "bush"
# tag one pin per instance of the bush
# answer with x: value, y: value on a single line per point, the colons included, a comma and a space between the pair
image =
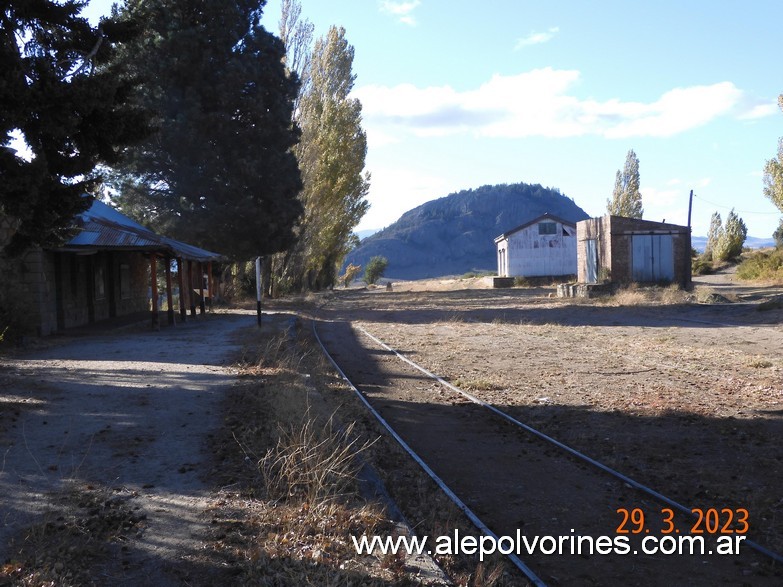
x: 702, y: 265
x: 762, y: 266
x: 375, y: 269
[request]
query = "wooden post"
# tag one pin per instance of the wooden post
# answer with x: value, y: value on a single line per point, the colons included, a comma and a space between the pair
x: 169, y: 293
x: 154, y: 288
x: 59, y: 288
x: 210, y: 284
x: 90, y: 289
x: 202, y: 308
x: 183, y: 311
x: 111, y: 284
x: 258, y: 289
x: 191, y: 297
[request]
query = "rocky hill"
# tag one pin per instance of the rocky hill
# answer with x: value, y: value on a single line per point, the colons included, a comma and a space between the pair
x: 454, y: 234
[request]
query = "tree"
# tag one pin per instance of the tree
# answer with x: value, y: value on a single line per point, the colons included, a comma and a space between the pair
x: 731, y: 238
x: 716, y: 229
x: 220, y: 171
x: 376, y: 267
x: 773, y: 173
x: 331, y: 154
x: 63, y: 96
x: 626, y: 199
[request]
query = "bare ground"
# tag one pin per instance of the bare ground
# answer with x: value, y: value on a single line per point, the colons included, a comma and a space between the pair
x: 684, y: 397
x: 112, y: 427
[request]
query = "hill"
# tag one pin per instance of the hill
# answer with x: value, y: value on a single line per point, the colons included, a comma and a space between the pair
x: 454, y: 234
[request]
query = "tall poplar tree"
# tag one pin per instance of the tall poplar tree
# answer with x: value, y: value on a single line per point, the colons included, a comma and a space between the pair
x: 219, y: 172
x: 773, y: 173
x: 626, y: 199
x: 713, y: 236
x: 66, y: 102
x: 331, y: 155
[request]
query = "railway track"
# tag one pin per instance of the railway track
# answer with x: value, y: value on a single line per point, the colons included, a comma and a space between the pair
x: 529, y: 483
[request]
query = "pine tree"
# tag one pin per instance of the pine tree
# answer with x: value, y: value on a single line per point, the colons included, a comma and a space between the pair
x: 65, y: 98
x: 219, y: 172
x: 626, y: 199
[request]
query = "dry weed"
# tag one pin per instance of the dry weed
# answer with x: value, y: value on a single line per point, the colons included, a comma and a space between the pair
x: 315, y: 463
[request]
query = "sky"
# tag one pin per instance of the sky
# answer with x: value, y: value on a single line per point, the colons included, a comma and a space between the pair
x: 459, y: 94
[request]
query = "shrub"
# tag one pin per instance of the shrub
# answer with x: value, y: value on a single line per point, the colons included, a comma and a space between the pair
x: 376, y: 267
x: 762, y: 266
x: 702, y: 265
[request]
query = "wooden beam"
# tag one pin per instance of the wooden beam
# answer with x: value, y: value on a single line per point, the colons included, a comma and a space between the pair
x: 183, y: 310
x: 154, y: 288
x: 169, y: 293
x: 190, y: 289
x: 210, y: 284
x: 202, y: 307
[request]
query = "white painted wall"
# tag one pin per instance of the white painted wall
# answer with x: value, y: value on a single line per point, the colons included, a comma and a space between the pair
x: 528, y: 253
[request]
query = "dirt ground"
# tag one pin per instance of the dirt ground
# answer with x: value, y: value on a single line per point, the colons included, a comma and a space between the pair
x: 104, y: 438
x: 683, y: 397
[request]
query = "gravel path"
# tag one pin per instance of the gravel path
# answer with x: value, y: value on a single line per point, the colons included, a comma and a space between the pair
x: 129, y: 412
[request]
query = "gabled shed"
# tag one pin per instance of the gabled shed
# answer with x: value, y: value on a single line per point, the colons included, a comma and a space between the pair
x: 543, y: 247
x: 615, y: 249
x: 106, y: 270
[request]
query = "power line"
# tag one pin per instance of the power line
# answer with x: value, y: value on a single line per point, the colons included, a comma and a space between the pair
x: 732, y: 208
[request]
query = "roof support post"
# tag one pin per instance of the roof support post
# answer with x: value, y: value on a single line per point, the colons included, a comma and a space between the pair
x: 183, y: 311
x: 154, y: 289
x: 90, y: 288
x: 190, y: 289
x: 169, y: 293
x: 210, y: 284
x: 59, y: 292
x: 202, y: 308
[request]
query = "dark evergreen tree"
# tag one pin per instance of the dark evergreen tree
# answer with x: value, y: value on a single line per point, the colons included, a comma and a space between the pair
x: 63, y: 94
x: 219, y: 172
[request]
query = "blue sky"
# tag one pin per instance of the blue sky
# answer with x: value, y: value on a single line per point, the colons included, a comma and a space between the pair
x: 460, y: 94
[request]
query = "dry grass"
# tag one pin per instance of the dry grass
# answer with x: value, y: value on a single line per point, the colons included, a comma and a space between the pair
x: 295, y: 499
x: 318, y: 464
x: 636, y: 295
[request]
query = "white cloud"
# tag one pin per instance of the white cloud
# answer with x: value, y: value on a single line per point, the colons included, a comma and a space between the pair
x: 534, y: 38
x: 540, y: 102
x: 760, y: 111
x: 402, y: 10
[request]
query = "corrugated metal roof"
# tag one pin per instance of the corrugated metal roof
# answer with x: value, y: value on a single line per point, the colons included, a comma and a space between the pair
x: 104, y: 228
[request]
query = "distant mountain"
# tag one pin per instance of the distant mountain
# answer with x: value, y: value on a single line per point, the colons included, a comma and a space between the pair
x: 363, y: 234
x: 455, y: 234
x: 752, y: 242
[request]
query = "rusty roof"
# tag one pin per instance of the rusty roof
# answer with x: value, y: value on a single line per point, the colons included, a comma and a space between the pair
x: 103, y: 228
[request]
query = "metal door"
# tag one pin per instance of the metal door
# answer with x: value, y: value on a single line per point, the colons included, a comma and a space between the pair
x: 592, y: 261
x: 652, y: 257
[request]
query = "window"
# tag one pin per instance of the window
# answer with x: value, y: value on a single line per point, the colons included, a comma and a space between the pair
x: 547, y: 228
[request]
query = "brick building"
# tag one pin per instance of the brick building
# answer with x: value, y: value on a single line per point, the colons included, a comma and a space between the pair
x: 615, y: 249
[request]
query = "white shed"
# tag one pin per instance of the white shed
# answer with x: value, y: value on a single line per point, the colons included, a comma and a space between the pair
x: 543, y: 247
